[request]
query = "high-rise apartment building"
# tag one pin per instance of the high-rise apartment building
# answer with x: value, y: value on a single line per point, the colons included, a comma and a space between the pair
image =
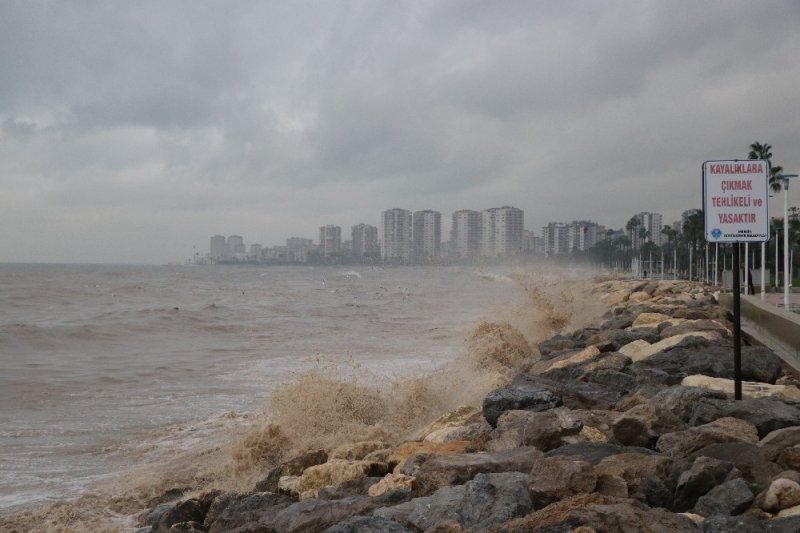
x: 217, y: 247
x: 396, y: 233
x: 645, y: 227
x: 556, y: 238
x: 584, y: 234
x: 501, y: 231
x: 330, y: 240
x: 365, y: 241
x: 465, y: 234
x: 426, y: 236
x: 234, y: 247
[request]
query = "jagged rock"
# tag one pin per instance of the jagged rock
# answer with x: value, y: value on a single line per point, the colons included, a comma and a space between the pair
x: 407, y: 449
x: 626, y: 516
x: 544, y: 430
x: 649, y: 320
x: 790, y: 524
x: 634, y: 468
x: 750, y: 389
x: 191, y: 510
x: 587, y: 354
x: 691, y: 326
x: 727, y: 429
x: 781, y: 494
x: 459, y: 417
x: 477, y: 432
x: 516, y: 397
x: 391, y: 482
x: 789, y: 458
x: 643, y: 424
x: 641, y: 351
x: 619, y: 323
x: 368, y: 524
x: 553, y: 518
x: 314, y: 515
x: 348, y: 489
x: 292, y: 467
x: 775, y: 441
x: 746, y: 457
x: 557, y: 344
x: 589, y: 395
x: 730, y: 524
x: 730, y: 498
x: 682, y: 401
x: 704, y: 474
x: 594, y: 452
x: 555, y: 478
x: 434, y: 471
x: 357, y: 450
x: 611, y: 485
x: 715, y: 359
x: 487, y: 500
x: 246, y: 509
x: 337, y: 471
x: 767, y: 414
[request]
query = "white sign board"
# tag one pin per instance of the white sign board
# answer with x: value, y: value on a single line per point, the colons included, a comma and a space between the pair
x: 735, y: 198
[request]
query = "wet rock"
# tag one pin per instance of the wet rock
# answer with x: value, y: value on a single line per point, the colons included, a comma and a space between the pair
x: 767, y: 414
x: 391, y: 482
x: 239, y: 510
x: 191, y: 510
x: 590, y: 395
x: 730, y: 524
x: 704, y: 474
x: 556, y: 344
x: 715, y: 359
x: 730, y: 498
x: 589, y: 353
x: 544, y: 430
x: 487, y: 500
x: 619, y: 337
x: 407, y: 449
x: 356, y: 450
x: 337, y: 471
x: 314, y: 515
x: 368, y: 524
x: 649, y: 320
x: 643, y: 424
x: 745, y: 457
x: 727, y: 429
x: 348, y: 489
x: 519, y: 396
x: 434, y: 471
x: 640, y: 351
x: 293, y: 467
x: 594, y: 452
x: 555, y: 478
x: 690, y: 326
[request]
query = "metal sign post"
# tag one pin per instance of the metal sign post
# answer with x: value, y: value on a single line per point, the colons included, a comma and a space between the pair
x: 735, y: 210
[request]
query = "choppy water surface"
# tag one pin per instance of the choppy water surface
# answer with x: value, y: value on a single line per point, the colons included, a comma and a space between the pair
x: 95, y: 356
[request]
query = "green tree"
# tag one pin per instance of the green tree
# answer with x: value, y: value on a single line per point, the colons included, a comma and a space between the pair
x: 764, y: 151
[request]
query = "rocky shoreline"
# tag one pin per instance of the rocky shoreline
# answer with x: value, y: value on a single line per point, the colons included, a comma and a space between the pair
x: 625, y: 425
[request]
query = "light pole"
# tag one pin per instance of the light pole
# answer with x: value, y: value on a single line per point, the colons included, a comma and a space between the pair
x: 786, y: 273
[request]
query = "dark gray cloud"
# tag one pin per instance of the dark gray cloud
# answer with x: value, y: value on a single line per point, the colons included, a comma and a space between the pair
x: 132, y: 130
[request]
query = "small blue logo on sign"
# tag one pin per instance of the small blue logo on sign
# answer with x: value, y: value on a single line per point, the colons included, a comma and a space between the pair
x: 716, y: 233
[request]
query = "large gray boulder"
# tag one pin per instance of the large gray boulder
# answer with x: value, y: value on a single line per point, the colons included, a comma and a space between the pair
x: 521, y: 396
x: 368, y: 524
x: 239, y: 510
x: 556, y: 478
x: 731, y: 498
x: 545, y: 430
x: 747, y: 458
x: 433, y: 471
x: 478, y: 505
x: 767, y: 414
x: 728, y: 429
x: 704, y: 474
x: 594, y: 452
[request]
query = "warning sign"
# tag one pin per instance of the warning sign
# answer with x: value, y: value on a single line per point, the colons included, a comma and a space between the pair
x: 735, y: 195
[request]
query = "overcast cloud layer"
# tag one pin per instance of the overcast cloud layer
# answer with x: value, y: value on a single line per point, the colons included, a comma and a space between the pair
x: 130, y: 131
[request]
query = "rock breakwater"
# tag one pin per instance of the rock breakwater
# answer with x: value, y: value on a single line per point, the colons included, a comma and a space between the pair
x: 624, y: 425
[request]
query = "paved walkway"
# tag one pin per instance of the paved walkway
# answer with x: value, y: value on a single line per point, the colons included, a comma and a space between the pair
x: 776, y: 299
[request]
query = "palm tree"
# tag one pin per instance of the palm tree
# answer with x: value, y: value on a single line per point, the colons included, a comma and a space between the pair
x: 764, y: 151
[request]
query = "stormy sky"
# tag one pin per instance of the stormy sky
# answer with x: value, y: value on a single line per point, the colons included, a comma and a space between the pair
x: 131, y: 131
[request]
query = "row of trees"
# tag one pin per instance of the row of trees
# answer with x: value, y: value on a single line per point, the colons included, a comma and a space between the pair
x: 684, y: 247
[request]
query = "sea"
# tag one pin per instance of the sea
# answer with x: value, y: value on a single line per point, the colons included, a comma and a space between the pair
x: 104, y: 368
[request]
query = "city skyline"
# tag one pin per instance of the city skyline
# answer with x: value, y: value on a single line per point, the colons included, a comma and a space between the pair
x: 129, y: 134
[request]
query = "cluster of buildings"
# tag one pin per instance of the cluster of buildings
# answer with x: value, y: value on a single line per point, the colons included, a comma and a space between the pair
x: 407, y: 237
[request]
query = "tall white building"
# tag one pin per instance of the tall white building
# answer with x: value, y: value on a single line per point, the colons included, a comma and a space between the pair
x: 555, y: 236
x: 426, y: 236
x: 365, y: 241
x: 501, y: 231
x: 396, y: 235
x: 465, y: 234
x: 298, y: 248
x: 234, y: 247
x: 584, y: 234
x: 651, y: 224
x: 330, y: 240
